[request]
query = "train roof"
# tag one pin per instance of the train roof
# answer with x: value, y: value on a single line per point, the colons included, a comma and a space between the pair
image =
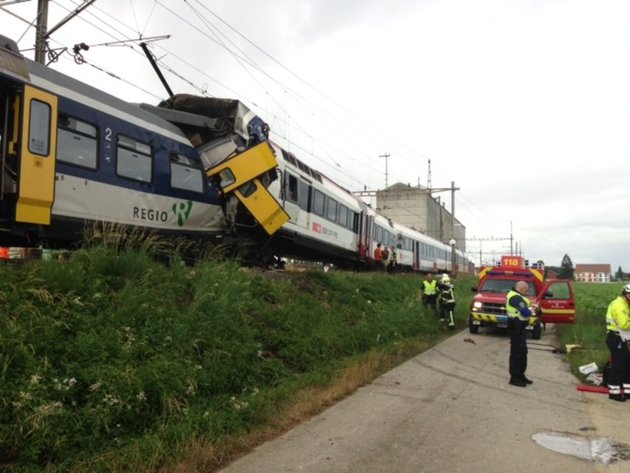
x: 73, y: 89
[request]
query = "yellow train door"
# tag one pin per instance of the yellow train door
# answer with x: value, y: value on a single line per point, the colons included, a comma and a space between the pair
x: 38, y: 147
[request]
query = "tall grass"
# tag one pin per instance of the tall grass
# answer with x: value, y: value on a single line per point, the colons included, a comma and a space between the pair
x: 113, y: 361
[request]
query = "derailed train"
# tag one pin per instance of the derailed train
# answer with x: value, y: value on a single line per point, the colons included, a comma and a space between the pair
x: 197, y: 167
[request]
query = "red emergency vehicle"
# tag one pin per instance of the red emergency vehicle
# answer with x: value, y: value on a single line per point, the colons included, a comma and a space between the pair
x: 554, y: 297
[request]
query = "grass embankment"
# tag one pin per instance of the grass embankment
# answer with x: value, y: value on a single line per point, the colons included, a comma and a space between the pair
x: 111, y: 361
x: 589, y: 330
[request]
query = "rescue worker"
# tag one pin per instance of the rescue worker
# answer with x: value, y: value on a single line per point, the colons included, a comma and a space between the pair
x: 618, y: 325
x: 429, y: 292
x: 391, y: 262
x: 446, y: 300
x: 519, y: 310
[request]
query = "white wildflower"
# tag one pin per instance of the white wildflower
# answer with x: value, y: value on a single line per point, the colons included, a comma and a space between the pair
x: 141, y: 396
x: 35, y: 379
x: 69, y: 382
x: 47, y: 409
x: 95, y: 386
x: 111, y: 400
x: 238, y: 405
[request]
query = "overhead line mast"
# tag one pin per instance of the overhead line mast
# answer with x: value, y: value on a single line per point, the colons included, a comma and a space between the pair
x: 42, y: 33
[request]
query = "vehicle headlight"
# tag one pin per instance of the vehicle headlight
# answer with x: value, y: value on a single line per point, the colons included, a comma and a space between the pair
x: 477, y: 305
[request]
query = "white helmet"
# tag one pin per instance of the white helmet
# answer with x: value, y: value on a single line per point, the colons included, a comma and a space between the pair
x: 446, y: 278
x: 626, y: 289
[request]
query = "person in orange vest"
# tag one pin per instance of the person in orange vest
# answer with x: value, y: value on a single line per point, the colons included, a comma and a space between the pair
x: 378, y: 257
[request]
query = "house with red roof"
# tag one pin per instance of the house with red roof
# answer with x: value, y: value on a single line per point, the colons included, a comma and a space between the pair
x: 593, y: 272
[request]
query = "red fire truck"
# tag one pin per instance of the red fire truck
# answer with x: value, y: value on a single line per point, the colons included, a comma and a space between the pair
x: 555, y: 297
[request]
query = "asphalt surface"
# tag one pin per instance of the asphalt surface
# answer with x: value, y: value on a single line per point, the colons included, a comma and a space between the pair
x: 451, y: 409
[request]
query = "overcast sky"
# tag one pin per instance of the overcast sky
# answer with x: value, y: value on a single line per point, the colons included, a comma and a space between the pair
x: 524, y: 104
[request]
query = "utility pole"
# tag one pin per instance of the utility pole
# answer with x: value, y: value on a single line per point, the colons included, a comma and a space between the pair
x: 386, y: 156
x: 511, y: 240
x: 429, y: 178
x: 41, y: 31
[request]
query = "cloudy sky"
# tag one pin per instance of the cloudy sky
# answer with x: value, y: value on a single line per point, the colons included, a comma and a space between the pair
x: 524, y: 104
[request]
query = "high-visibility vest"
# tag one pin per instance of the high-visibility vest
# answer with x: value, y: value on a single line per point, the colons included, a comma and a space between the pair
x: 618, y: 315
x: 513, y: 311
x: 429, y: 288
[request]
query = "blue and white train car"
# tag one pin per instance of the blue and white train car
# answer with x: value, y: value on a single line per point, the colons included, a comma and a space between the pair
x: 71, y: 154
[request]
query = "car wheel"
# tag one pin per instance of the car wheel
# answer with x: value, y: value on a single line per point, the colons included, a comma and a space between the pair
x: 537, y: 332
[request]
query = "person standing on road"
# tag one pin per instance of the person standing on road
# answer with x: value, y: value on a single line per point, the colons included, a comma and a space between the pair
x: 429, y: 292
x: 617, y: 339
x: 519, y: 310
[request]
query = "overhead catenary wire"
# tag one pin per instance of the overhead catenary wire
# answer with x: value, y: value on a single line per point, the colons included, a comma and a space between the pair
x: 172, y: 71
x: 181, y: 77
x: 223, y: 85
x: 258, y: 68
x: 365, y: 162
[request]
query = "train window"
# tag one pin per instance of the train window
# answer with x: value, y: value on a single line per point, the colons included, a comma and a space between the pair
x: 303, y: 167
x: 392, y: 239
x: 186, y: 174
x: 39, y: 128
x: 292, y: 188
x: 227, y: 178
x: 379, y: 234
x: 303, y: 189
x: 316, y: 175
x: 331, y: 213
x: 135, y: 160
x: 354, y: 222
x: 248, y: 188
x: 76, y: 142
x: 342, y: 217
x: 289, y: 157
x: 318, y: 203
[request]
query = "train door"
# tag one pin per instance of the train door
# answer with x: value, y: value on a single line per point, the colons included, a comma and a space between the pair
x: 29, y: 145
x: 38, y: 147
x: 416, y: 255
x: 365, y: 236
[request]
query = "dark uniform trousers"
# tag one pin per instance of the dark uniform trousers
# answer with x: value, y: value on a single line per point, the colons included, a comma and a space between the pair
x: 620, y: 360
x: 518, y: 347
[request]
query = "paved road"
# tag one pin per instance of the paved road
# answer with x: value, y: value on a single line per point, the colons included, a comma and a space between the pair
x: 450, y: 409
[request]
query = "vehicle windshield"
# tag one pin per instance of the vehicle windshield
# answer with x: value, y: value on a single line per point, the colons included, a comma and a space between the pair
x: 502, y: 286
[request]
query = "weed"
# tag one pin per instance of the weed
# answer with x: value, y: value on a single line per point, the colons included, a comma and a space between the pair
x: 119, y: 358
